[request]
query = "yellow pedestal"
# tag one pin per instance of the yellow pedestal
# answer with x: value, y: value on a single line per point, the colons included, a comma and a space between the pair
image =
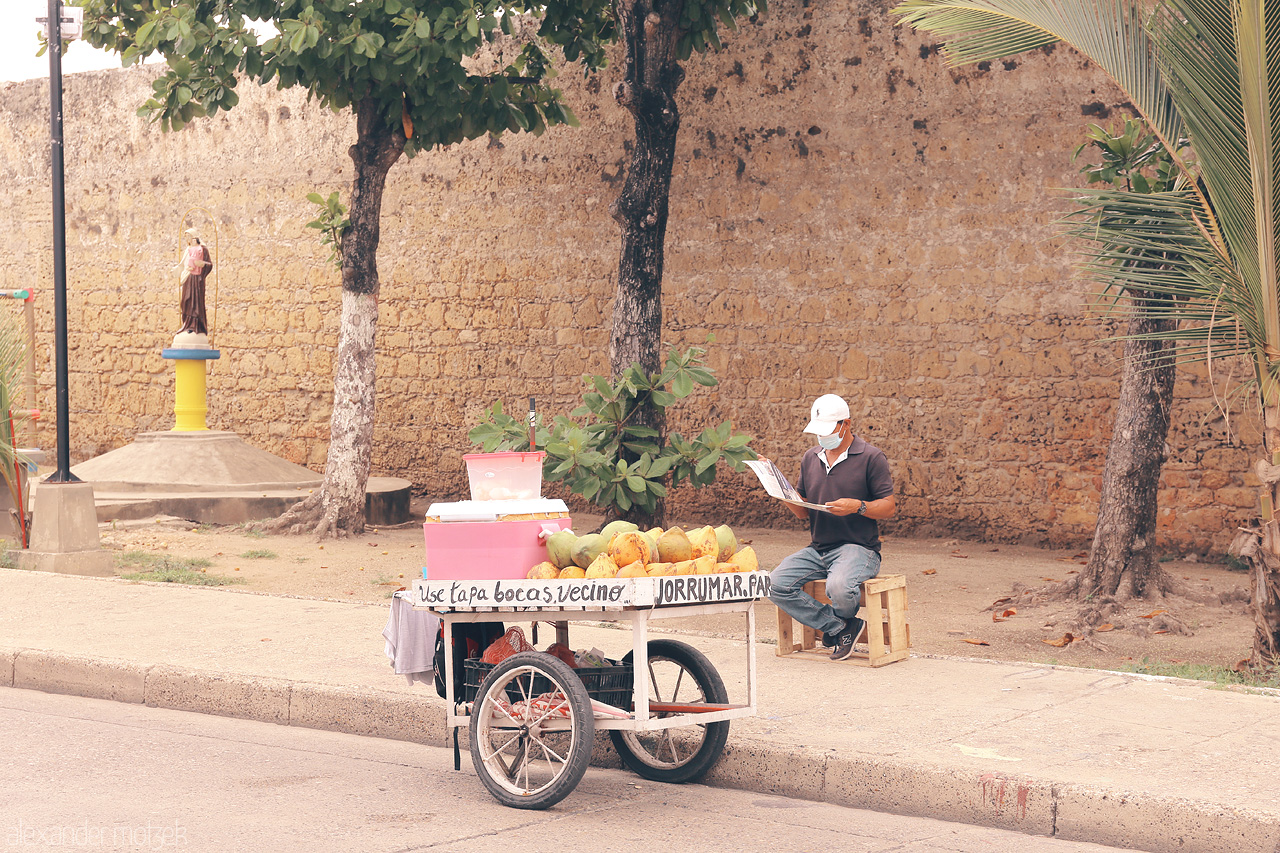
x: 190, y: 396
x: 190, y: 393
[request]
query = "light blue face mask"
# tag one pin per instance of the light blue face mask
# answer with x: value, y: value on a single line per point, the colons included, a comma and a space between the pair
x: 830, y: 442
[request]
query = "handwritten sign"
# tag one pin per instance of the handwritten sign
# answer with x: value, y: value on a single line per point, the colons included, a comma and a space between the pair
x: 578, y: 594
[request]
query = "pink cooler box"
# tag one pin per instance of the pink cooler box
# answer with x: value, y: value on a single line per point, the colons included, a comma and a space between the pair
x: 486, y: 550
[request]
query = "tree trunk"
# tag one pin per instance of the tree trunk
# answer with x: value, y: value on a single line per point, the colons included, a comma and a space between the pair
x: 1123, y: 562
x: 651, y: 33
x: 337, y: 509
x: 1259, y: 545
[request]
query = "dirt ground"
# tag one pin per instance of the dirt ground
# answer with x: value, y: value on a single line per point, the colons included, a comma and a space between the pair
x: 951, y: 587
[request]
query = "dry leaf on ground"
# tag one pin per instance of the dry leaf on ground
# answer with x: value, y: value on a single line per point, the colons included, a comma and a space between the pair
x: 973, y: 642
x: 1153, y: 613
x: 1064, y: 640
x: 958, y: 555
x: 929, y: 572
x: 1104, y: 627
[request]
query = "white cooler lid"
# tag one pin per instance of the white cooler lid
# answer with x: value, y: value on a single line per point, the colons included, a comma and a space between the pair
x: 492, y: 510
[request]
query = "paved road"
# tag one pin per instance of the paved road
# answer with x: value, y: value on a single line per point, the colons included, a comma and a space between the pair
x: 88, y: 774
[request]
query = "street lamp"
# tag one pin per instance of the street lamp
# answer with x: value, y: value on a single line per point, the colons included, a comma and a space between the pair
x: 64, y: 523
x: 56, y: 32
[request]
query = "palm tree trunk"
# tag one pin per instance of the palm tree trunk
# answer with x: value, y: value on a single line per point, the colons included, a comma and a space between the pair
x: 337, y: 509
x: 1260, y: 546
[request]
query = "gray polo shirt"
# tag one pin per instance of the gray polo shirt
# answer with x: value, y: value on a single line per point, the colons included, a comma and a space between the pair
x: 863, y: 474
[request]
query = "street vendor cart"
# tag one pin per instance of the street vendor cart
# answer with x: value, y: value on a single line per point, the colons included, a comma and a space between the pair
x: 532, y: 717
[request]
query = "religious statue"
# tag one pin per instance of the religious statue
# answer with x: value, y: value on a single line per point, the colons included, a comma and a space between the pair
x: 196, y: 264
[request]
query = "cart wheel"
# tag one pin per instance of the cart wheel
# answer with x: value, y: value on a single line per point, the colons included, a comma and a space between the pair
x: 532, y: 729
x: 677, y: 673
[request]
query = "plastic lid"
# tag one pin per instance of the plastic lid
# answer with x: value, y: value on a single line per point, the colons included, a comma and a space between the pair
x: 492, y: 510
x: 506, y: 454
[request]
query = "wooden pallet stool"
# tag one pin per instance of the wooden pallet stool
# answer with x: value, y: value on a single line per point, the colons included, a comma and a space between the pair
x: 884, y: 609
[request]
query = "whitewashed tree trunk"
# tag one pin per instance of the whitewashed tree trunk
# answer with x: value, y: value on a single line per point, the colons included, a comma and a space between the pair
x: 337, y: 509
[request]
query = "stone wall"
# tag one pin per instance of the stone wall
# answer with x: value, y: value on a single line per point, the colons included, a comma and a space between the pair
x: 847, y: 215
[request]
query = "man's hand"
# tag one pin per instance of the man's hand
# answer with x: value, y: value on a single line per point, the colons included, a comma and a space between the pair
x: 844, y: 506
x: 881, y: 509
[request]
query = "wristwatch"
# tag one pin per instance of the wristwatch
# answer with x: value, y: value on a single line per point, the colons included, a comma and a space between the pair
x: 862, y: 508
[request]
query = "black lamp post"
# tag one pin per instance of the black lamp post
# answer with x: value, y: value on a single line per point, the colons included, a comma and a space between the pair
x: 55, y: 21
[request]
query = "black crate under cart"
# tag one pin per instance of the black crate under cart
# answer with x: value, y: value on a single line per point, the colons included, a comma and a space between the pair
x: 532, y: 720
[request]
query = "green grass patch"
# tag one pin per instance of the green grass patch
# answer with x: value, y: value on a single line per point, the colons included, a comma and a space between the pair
x: 1213, y: 673
x: 260, y: 554
x: 162, y: 568
x: 246, y: 529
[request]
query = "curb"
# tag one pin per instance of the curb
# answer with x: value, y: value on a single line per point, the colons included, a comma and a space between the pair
x: 1005, y: 801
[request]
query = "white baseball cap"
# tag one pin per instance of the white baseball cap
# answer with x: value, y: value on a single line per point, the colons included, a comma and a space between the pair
x: 827, y: 411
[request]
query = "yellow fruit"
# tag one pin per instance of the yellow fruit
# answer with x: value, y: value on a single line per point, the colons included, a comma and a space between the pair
x: 602, y: 567
x: 703, y: 541
x: 629, y: 548
x: 543, y: 572
x: 657, y: 570
x: 745, y: 559
x: 705, y: 565
x: 674, y: 547
x: 725, y: 568
x: 572, y: 573
x: 632, y: 570
x: 653, y: 542
x: 655, y: 532
x: 684, y: 567
x: 727, y: 541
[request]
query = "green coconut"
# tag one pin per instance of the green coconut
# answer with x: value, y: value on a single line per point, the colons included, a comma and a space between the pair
x: 588, y: 547
x: 560, y: 548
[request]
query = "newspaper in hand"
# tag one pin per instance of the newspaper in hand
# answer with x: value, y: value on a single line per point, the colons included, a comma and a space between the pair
x: 778, y: 486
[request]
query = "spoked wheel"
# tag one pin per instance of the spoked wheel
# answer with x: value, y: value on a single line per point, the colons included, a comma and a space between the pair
x: 678, y: 673
x: 531, y: 731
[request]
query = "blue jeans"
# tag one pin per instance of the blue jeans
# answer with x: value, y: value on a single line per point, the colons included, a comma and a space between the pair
x: 844, y: 568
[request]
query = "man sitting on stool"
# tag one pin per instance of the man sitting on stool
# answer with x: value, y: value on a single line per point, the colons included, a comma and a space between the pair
x: 852, y: 479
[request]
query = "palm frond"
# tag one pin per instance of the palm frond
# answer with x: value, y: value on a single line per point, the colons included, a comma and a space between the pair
x: 1221, y: 62
x: 1112, y: 33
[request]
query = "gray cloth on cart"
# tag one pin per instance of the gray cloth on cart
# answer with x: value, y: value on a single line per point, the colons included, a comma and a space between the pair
x: 411, y: 641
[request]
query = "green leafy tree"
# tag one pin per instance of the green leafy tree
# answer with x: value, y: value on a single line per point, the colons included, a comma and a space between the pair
x: 415, y: 74
x: 601, y: 451
x: 657, y: 36
x: 1206, y: 70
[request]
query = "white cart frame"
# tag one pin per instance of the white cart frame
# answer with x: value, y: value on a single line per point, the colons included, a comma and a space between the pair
x: 634, y: 600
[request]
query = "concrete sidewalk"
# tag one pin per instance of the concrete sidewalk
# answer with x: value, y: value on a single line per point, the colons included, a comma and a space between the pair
x: 1123, y: 760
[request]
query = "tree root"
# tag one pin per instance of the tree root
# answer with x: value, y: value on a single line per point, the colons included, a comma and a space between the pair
x: 1099, y: 610
x: 308, y: 515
